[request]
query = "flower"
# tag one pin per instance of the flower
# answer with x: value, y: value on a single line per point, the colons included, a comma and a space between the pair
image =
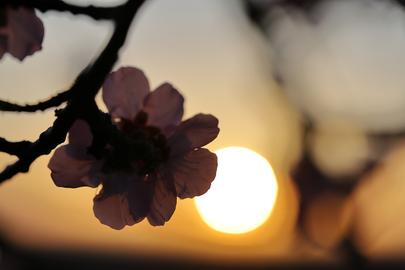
x: 335, y: 36
x: 21, y: 32
x: 134, y: 189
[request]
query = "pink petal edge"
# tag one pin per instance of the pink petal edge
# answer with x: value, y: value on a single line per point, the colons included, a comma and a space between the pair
x: 164, y: 106
x: 25, y: 32
x: 124, y: 92
x: 112, y: 211
x: 193, y: 133
x: 163, y: 204
x: 194, y: 172
x: 70, y: 172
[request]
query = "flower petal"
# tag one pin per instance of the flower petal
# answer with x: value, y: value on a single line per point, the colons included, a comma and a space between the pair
x: 80, y: 134
x: 164, y: 106
x: 138, y: 192
x: 113, y: 210
x: 139, y: 196
x: 67, y: 171
x: 163, y: 204
x: 193, y: 133
x: 124, y: 91
x: 194, y: 172
x: 25, y: 32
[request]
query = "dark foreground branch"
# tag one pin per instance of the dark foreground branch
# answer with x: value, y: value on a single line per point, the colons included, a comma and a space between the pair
x: 14, y: 148
x: 55, y: 101
x: 83, y: 92
x: 47, y: 141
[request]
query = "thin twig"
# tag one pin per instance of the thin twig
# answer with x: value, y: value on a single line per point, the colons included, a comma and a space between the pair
x: 14, y: 148
x: 55, y: 101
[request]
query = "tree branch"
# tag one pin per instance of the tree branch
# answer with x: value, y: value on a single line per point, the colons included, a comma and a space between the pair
x: 89, y: 80
x: 97, y: 13
x: 55, y: 101
x: 47, y: 141
x: 14, y: 148
x: 83, y: 92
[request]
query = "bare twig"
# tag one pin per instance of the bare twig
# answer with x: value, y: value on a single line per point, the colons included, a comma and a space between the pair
x: 14, y: 148
x: 55, y: 101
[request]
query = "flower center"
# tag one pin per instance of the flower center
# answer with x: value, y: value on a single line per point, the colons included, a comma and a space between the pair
x: 129, y: 159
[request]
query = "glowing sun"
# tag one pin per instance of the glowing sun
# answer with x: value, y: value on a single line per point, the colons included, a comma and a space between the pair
x: 243, y: 193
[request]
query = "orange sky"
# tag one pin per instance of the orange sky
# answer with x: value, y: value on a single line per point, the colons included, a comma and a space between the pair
x: 222, y: 66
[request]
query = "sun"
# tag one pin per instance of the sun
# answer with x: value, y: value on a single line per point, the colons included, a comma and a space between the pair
x: 243, y: 194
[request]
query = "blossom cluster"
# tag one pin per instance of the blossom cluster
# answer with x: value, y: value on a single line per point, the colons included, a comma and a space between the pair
x: 134, y: 186
x: 133, y: 189
x: 21, y: 32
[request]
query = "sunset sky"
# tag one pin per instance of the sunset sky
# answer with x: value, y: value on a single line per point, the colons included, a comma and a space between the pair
x: 339, y: 73
x: 220, y: 62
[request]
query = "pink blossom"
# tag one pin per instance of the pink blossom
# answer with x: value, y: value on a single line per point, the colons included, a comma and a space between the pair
x: 22, y: 33
x: 182, y: 168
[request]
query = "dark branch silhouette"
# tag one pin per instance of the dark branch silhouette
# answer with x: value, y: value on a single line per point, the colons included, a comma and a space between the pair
x: 80, y: 96
x: 55, y: 101
x: 14, y: 148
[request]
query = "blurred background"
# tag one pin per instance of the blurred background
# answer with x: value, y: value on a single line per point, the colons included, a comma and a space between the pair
x: 314, y: 87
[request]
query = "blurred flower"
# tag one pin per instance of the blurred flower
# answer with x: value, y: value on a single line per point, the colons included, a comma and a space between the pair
x: 327, y: 61
x: 21, y: 32
x: 379, y: 202
x: 328, y: 219
x: 134, y: 189
x: 340, y: 149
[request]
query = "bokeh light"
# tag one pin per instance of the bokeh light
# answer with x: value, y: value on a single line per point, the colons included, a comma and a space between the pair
x: 243, y: 193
